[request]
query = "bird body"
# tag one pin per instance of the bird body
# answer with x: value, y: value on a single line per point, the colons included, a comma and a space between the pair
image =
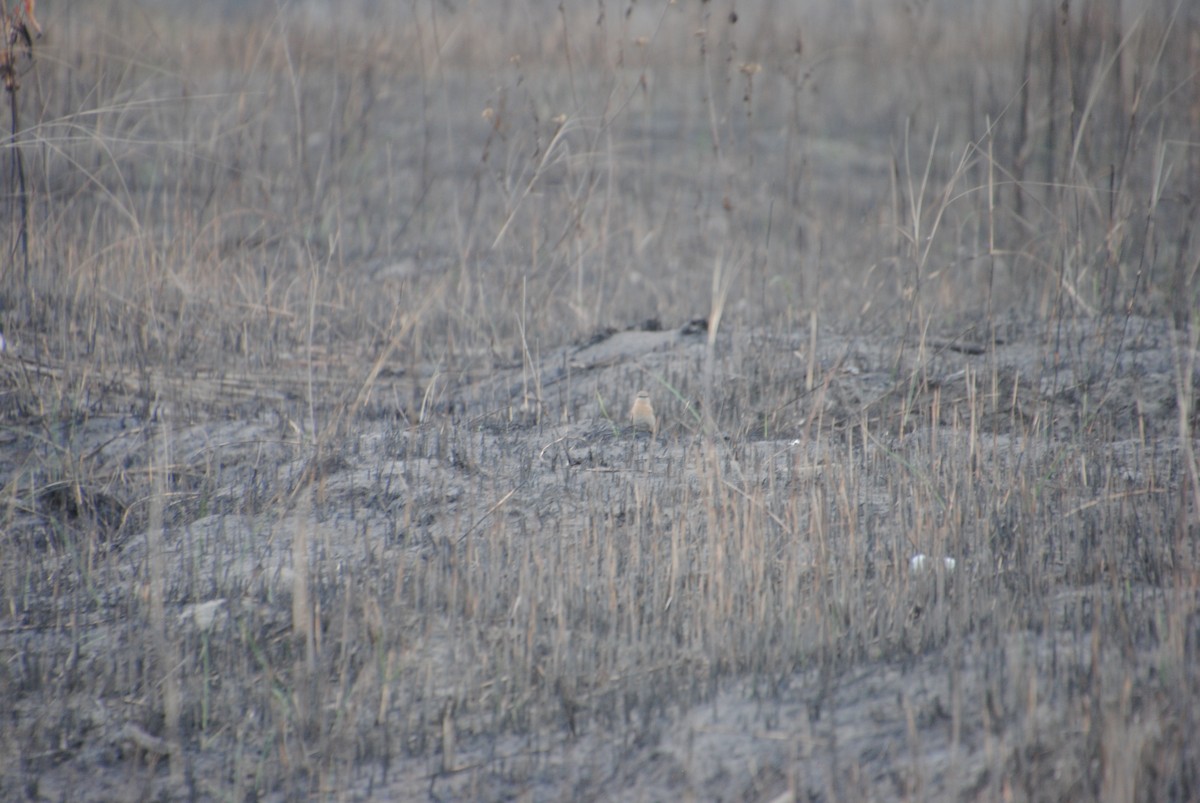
x: 641, y: 415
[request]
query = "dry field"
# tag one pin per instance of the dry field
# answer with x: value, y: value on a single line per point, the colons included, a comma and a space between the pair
x: 323, y: 323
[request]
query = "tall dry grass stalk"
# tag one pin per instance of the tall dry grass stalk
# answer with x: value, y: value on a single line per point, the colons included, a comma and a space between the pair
x: 16, y: 59
x: 166, y: 663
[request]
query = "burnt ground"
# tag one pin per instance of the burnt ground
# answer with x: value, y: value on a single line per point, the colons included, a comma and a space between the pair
x: 960, y: 683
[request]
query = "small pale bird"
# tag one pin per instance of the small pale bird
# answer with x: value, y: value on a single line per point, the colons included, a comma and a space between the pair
x: 641, y: 415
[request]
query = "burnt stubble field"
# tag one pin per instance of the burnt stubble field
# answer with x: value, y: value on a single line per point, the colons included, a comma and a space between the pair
x: 323, y: 323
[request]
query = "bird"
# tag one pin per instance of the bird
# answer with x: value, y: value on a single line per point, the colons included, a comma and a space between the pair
x: 641, y: 415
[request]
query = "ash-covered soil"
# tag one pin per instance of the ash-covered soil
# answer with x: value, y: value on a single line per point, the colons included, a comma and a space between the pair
x: 518, y: 596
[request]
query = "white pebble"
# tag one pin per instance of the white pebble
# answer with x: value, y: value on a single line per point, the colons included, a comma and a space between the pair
x: 919, y: 561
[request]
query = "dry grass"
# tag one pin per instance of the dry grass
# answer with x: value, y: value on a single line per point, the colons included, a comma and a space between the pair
x: 310, y: 488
